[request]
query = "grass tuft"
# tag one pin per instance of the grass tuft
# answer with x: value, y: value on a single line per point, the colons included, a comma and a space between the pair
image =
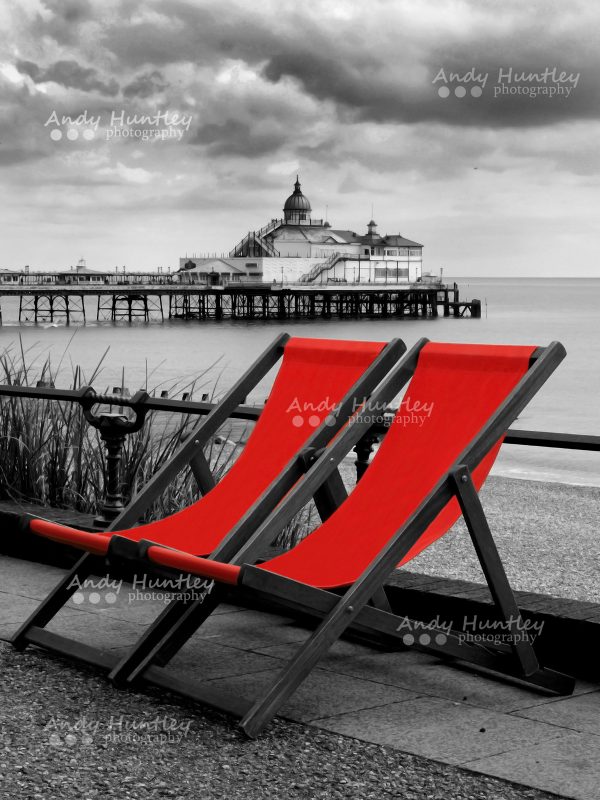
x: 51, y: 456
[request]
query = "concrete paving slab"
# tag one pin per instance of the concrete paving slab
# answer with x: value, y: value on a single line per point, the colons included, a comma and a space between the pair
x: 26, y: 578
x: 428, y: 675
x: 14, y: 610
x: 450, y: 732
x: 400, y: 669
x: 568, y: 766
x: 580, y: 713
x: 347, y: 656
x: 96, y: 629
x: 322, y: 693
x: 203, y: 659
x: 463, y: 683
x: 341, y: 649
x: 250, y: 629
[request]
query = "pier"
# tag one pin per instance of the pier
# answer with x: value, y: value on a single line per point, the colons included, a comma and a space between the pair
x: 259, y: 301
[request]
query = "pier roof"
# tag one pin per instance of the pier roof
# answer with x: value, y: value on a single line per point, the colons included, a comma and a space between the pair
x: 400, y: 241
x: 395, y: 240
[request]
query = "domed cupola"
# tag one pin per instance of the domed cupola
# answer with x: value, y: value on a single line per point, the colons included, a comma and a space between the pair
x: 297, y: 206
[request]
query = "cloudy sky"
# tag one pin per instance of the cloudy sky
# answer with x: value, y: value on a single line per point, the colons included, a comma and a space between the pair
x: 345, y: 93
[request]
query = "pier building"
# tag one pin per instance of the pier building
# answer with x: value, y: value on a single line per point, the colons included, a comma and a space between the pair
x: 298, y: 247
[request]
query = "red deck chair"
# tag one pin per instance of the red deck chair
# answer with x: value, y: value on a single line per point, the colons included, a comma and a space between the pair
x: 423, y: 476
x: 319, y: 385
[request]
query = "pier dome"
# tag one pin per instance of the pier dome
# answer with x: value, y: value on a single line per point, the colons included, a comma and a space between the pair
x: 297, y: 206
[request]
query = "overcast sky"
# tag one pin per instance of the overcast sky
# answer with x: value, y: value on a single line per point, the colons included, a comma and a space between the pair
x: 345, y: 93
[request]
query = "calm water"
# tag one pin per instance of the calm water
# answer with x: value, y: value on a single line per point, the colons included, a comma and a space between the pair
x: 525, y: 311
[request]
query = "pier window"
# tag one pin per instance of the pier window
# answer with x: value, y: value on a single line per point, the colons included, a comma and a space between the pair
x: 390, y: 274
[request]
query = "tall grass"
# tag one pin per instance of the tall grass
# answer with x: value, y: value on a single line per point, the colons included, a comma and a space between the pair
x: 50, y: 455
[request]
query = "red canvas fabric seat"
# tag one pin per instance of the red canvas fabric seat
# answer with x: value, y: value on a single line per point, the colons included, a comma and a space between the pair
x: 454, y: 391
x: 313, y: 377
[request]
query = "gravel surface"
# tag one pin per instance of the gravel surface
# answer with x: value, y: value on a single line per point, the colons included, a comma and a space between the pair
x: 547, y: 534
x: 57, y: 722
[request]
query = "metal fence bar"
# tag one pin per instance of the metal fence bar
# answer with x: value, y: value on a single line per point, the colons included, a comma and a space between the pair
x: 569, y: 441
x: 86, y: 396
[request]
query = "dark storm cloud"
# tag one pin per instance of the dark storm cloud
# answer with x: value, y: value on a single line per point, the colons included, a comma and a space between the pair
x: 69, y: 74
x: 238, y: 138
x: 374, y: 90
x: 146, y: 85
x: 378, y: 68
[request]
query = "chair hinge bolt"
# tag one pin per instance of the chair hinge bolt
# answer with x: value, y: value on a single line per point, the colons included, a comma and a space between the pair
x: 464, y: 478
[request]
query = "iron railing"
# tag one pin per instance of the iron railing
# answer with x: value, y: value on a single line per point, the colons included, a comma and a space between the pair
x: 114, y: 427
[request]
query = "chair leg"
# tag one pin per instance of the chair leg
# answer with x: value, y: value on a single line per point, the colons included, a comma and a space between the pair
x: 330, y: 496
x: 309, y: 654
x: 195, y: 616
x: 492, y: 567
x: 57, y: 598
x: 380, y: 600
x: 165, y: 637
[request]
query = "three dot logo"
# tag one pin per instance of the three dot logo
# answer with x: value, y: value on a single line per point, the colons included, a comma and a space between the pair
x: 313, y: 421
x: 424, y: 639
x: 94, y: 598
x: 72, y: 134
x: 471, y: 82
x: 68, y: 740
x: 96, y: 591
x: 460, y: 91
x: 70, y: 735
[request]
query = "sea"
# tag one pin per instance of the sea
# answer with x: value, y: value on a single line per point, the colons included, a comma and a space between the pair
x: 175, y: 355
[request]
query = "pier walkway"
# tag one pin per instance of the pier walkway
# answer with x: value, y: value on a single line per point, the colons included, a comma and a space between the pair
x: 52, y: 303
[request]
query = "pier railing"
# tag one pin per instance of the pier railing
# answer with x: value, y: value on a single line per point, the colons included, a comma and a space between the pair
x: 115, y: 427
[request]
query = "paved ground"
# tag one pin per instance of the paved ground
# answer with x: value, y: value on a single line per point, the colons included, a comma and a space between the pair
x: 406, y: 701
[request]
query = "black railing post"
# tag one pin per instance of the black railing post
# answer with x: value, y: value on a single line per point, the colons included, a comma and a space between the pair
x: 114, y: 439
x: 113, y: 428
x: 363, y: 451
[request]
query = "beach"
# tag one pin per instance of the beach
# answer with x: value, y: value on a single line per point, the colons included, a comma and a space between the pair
x: 547, y: 535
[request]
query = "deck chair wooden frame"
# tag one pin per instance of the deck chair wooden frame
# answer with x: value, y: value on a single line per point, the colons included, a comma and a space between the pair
x: 354, y: 610
x: 361, y: 608
x: 120, y: 549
